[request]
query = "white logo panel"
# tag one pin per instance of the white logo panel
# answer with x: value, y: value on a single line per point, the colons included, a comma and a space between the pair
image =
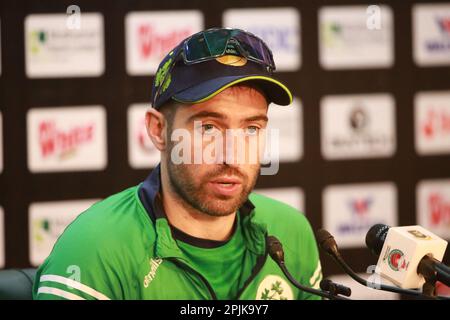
x: 151, y: 35
x: 431, y: 34
x: 348, y: 39
x: 47, y: 221
x: 54, y: 50
x: 358, y: 126
x: 278, y: 27
x: 350, y: 210
x: 433, y: 206
x: 432, y: 122
x: 289, y: 123
x: 67, y: 139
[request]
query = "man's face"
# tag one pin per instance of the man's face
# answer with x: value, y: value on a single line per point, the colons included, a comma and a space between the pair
x: 219, y: 187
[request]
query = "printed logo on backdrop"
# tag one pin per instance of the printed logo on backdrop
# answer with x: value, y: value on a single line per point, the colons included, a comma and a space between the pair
x: 2, y: 239
x: 66, y: 139
x: 350, y: 210
x: 151, y: 35
x: 358, y: 126
x: 47, y: 221
x: 431, y: 34
x: 141, y: 151
x: 350, y: 37
x: 52, y: 49
x: 432, y: 122
x: 293, y: 196
x: 433, y: 206
x: 278, y: 27
x: 289, y: 122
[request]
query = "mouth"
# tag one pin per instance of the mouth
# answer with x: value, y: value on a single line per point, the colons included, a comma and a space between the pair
x: 225, y: 186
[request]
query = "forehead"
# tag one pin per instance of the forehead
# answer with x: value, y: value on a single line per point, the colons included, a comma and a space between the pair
x: 233, y: 102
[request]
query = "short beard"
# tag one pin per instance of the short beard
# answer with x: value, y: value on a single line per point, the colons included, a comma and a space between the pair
x: 191, y: 195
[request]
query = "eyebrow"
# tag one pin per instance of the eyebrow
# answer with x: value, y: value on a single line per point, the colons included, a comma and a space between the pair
x: 212, y: 114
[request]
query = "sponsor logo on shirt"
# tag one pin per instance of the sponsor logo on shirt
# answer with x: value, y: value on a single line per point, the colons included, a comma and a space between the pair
x: 154, y: 265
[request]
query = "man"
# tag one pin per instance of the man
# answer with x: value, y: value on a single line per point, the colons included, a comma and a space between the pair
x: 193, y: 229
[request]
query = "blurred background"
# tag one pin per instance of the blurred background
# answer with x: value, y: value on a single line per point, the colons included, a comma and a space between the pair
x: 367, y: 140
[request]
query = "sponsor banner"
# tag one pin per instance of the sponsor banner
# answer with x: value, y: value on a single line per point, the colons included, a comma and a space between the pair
x: 289, y: 123
x: 278, y: 27
x: 47, y: 221
x: 431, y: 34
x: 358, y: 126
x: 433, y: 206
x: 55, y: 47
x: 2, y: 239
x: 432, y: 122
x: 356, y: 37
x: 292, y: 196
x: 360, y: 292
x: 141, y: 151
x: 67, y: 139
x: 150, y: 36
x: 350, y: 210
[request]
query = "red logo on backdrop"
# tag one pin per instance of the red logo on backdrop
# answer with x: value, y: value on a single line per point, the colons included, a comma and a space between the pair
x: 444, y: 24
x: 360, y: 207
x: 152, y: 43
x: 436, y: 123
x: 53, y: 141
x: 439, y: 209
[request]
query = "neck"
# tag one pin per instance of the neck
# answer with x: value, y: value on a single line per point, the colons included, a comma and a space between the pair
x: 190, y: 220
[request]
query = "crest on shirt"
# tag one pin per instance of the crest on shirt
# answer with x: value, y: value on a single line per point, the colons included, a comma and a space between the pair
x: 274, y: 287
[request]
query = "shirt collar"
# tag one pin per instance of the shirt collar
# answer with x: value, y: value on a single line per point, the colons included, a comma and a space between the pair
x: 149, y: 192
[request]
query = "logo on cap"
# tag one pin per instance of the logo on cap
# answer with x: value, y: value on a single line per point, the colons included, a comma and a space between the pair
x: 161, y: 76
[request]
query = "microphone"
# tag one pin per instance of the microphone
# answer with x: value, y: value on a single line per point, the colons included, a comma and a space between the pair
x: 409, y: 256
x: 276, y: 252
x: 327, y: 243
x: 335, y: 288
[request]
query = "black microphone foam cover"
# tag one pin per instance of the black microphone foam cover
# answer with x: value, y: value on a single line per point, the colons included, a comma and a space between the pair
x: 375, y: 238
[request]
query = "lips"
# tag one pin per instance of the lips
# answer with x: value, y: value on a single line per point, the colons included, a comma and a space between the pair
x: 225, y: 186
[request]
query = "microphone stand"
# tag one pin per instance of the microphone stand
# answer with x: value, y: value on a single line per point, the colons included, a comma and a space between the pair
x: 277, y: 254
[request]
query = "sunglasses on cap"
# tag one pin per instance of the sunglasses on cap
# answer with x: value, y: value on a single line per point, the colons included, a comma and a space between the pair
x: 213, y: 43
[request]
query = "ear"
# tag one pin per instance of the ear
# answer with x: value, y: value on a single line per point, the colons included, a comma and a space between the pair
x: 156, y: 126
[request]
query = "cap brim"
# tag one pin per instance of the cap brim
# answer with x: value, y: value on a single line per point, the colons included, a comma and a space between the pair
x: 275, y: 91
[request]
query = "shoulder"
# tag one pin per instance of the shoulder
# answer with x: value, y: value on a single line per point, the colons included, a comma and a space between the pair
x: 277, y: 214
x: 288, y: 224
x: 108, y: 225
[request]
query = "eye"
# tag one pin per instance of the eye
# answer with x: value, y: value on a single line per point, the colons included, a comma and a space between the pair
x: 208, y: 128
x: 252, y: 130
